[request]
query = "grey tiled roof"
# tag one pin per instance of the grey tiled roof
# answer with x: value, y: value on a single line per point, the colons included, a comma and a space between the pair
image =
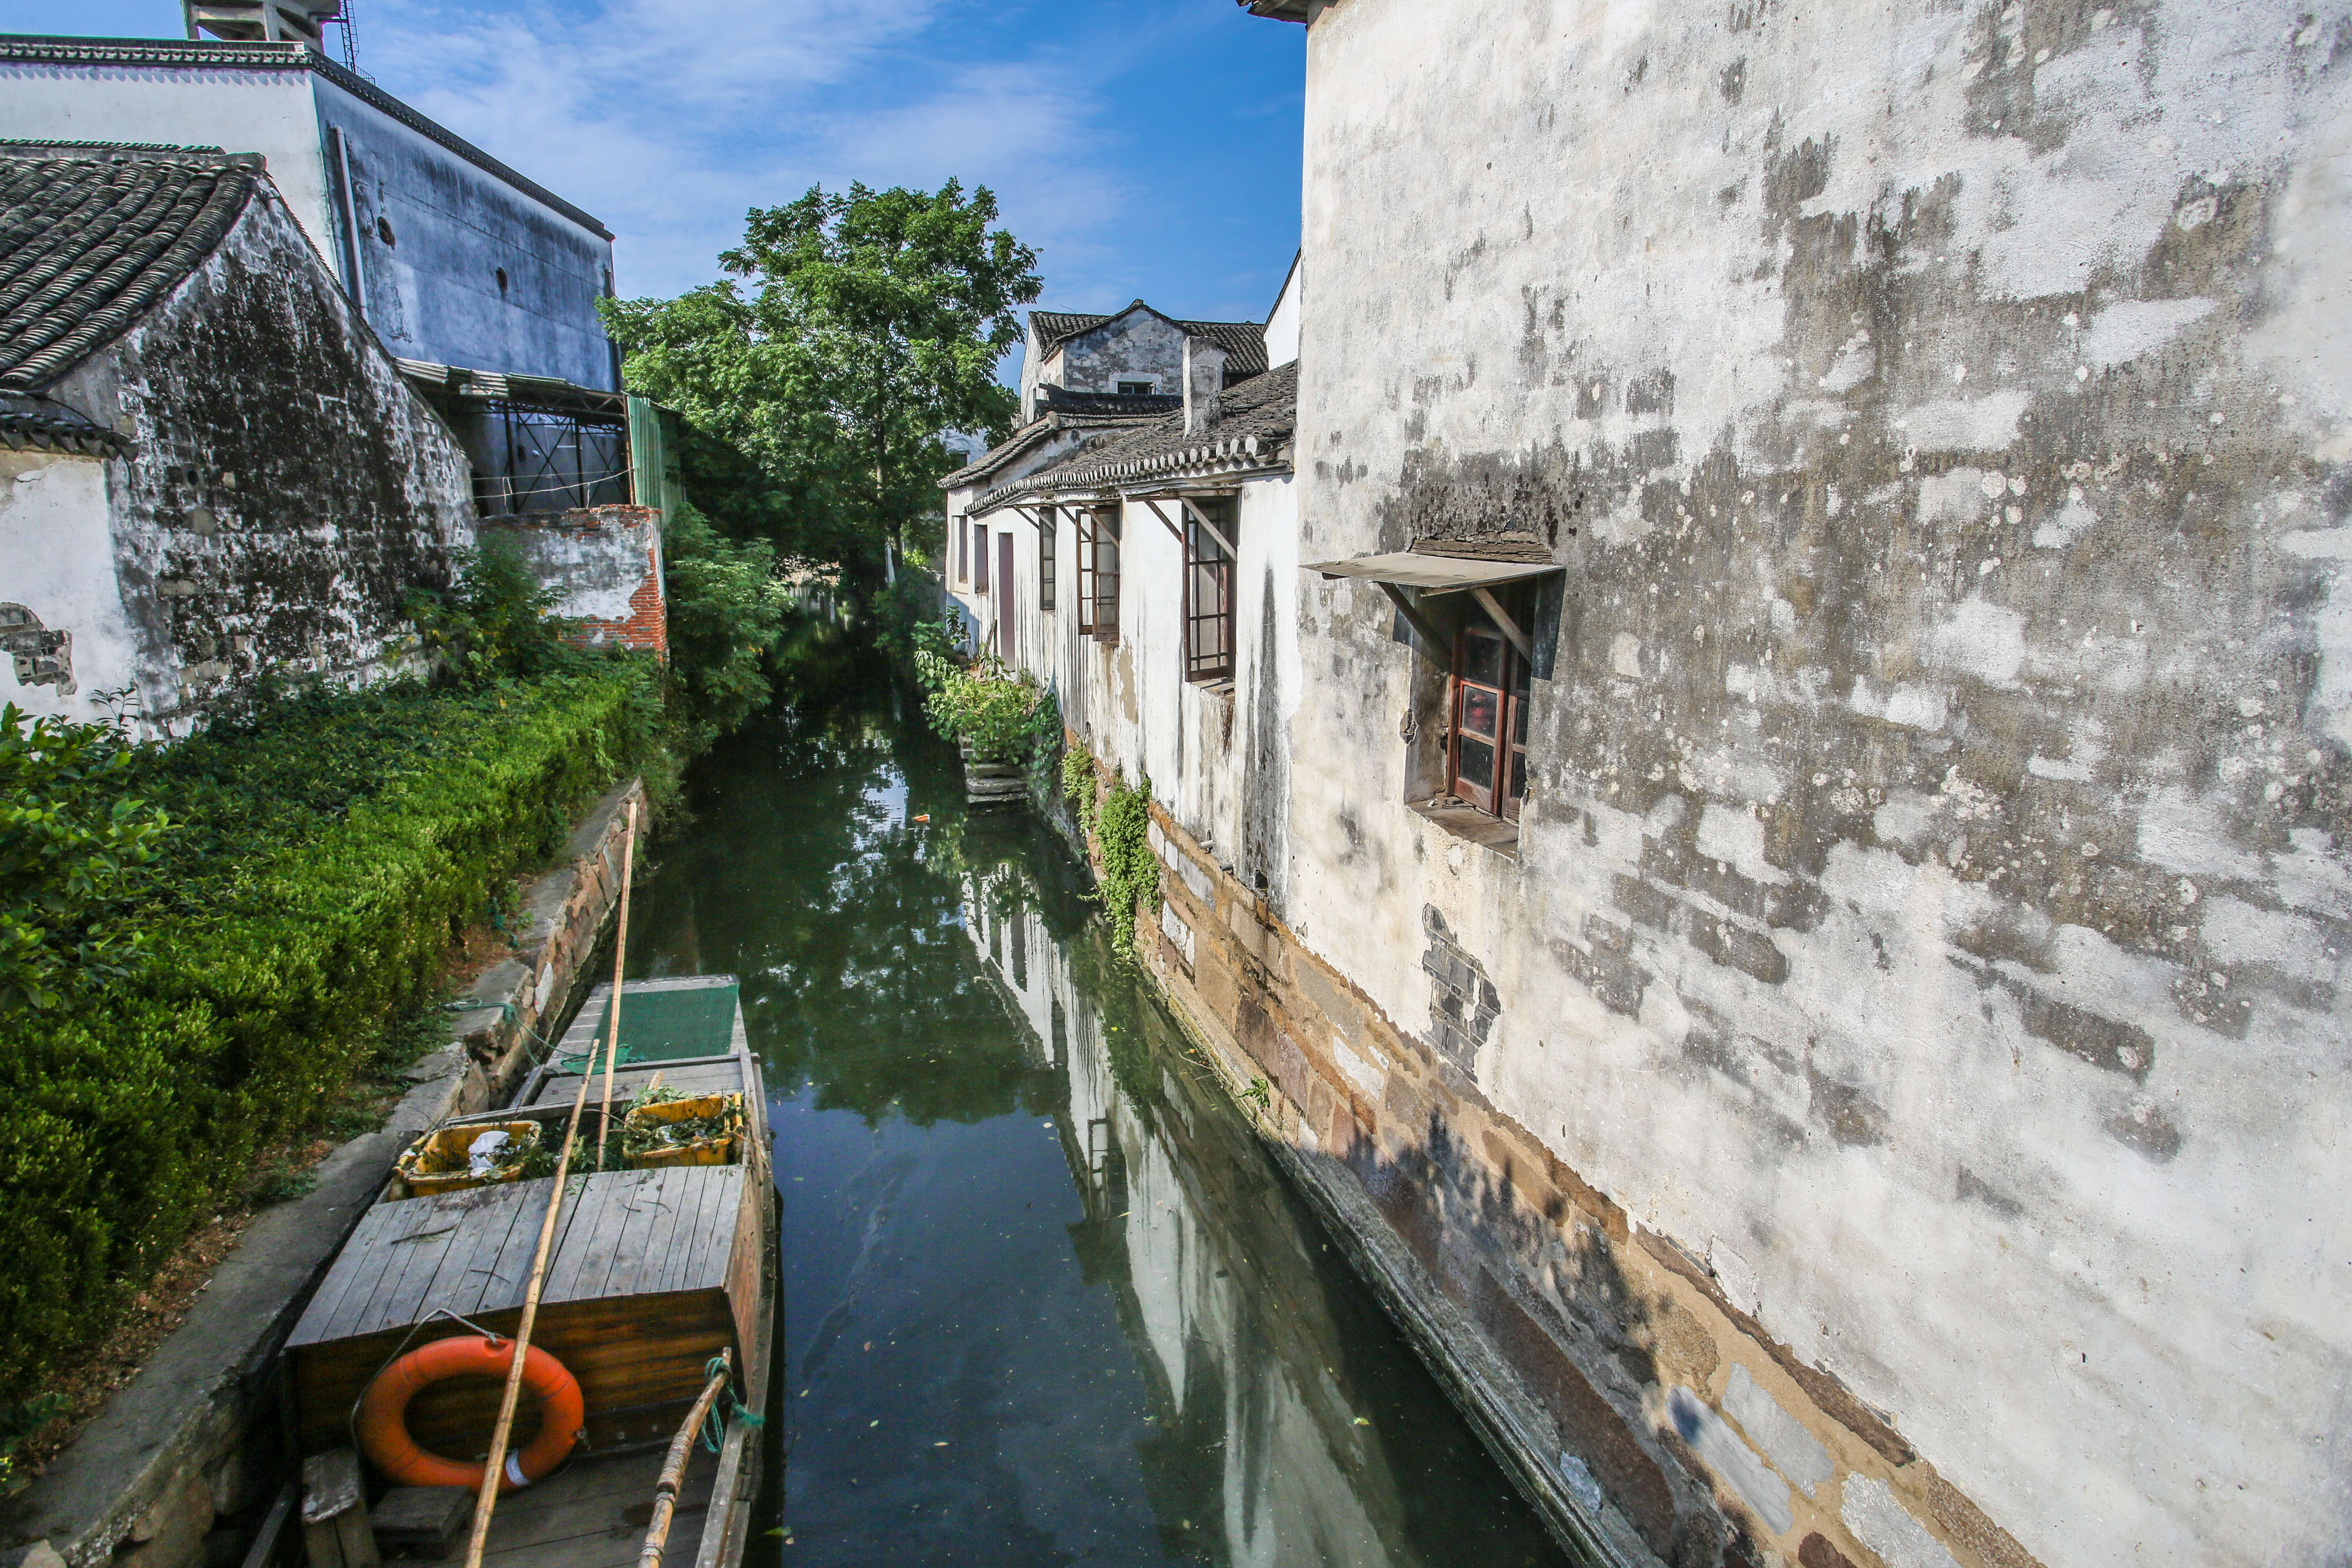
x: 27, y: 419
x: 1045, y: 427
x: 1253, y: 422
x: 1243, y: 341
x: 91, y: 239
x: 1058, y: 400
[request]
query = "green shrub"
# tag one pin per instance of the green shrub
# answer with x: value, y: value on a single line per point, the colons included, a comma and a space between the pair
x: 1004, y: 715
x: 325, y: 852
x: 1079, y: 784
x: 75, y: 852
x: 493, y: 624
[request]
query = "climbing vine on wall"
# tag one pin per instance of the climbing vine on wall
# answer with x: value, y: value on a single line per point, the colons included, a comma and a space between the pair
x: 1129, y: 872
x: 1079, y: 784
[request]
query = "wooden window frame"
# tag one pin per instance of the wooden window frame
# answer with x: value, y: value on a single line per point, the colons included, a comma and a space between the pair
x: 1048, y: 525
x: 1209, y: 575
x: 1104, y: 612
x: 1513, y: 690
x: 963, y: 549
x: 979, y: 557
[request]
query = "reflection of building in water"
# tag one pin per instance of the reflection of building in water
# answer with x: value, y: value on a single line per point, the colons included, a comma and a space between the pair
x: 1258, y: 1441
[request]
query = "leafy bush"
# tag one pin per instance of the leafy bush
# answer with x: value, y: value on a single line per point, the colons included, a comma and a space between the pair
x: 493, y: 622
x: 75, y: 850
x: 1004, y: 715
x: 1079, y: 784
x: 324, y: 853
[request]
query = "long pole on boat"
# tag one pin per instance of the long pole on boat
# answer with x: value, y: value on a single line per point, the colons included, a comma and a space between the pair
x: 494, y: 1466
x: 620, y: 954
x: 673, y: 1470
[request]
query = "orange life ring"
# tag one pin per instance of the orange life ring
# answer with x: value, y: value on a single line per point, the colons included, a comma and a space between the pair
x: 384, y: 1413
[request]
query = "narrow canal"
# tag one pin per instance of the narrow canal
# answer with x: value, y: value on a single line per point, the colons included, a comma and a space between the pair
x: 1046, y: 1301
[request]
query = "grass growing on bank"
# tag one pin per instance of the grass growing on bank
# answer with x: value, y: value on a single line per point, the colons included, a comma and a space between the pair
x: 312, y: 865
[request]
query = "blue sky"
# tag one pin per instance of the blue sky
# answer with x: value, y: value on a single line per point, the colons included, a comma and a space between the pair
x: 1148, y: 147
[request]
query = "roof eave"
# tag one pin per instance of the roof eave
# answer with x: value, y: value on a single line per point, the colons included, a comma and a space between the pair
x: 1276, y: 10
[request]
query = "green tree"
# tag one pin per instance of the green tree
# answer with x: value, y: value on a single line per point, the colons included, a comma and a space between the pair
x: 854, y: 330
x: 727, y: 610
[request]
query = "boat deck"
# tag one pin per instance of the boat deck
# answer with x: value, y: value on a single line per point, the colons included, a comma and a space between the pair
x: 594, y: 1513
x: 653, y: 1273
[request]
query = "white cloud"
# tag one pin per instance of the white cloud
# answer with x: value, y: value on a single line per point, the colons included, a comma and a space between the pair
x: 668, y: 118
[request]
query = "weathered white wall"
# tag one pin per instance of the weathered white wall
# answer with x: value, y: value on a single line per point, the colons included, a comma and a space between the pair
x: 57, y: 562
x: 1215, y: 758
x: 1282, y: 322
x: 1932, y: 905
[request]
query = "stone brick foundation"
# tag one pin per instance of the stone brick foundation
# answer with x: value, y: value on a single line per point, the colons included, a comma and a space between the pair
x: 1619, y: 1376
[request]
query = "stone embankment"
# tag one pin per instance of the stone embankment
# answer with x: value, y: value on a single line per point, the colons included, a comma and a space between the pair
x: 183, y: 1465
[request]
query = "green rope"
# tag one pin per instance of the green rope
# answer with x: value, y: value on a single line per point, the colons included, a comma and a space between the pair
x: 714, y: 1422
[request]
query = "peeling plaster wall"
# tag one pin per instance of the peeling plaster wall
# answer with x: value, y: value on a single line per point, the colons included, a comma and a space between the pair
x: 56, y: 568
x: 1931, y: 909
x: 284, y: 491
x: 1217, y: 759
x: 605, y: 565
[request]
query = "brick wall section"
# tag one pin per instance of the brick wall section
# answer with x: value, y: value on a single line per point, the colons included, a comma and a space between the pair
x: 648, y: 625
x: 1615, y: 1338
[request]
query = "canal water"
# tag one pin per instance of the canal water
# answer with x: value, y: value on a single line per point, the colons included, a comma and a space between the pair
x: 1046, y: 1301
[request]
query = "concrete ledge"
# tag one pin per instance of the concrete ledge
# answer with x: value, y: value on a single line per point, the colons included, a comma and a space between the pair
x: 194, y: 1438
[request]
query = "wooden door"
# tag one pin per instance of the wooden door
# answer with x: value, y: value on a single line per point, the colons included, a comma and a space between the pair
x: 1006, y: 625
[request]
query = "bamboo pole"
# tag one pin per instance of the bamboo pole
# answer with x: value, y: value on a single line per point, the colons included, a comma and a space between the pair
x: 485, y: 1499
x: 673, y: 1472
x: 620, y: 953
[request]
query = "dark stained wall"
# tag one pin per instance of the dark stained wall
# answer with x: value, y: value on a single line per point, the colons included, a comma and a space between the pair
x: 285, y: 490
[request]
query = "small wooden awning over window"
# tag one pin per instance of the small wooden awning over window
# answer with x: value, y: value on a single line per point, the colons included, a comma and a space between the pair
x: 1412, y: 575
x: 1433, y: 573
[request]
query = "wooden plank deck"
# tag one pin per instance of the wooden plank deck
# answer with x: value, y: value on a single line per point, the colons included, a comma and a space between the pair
x: 594, y: 1513
x: 622, y: 1233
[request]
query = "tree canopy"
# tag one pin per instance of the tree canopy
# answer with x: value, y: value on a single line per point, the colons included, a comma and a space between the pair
x: 852, y: 332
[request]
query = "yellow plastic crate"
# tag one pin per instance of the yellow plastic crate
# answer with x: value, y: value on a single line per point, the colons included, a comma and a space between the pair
x: 439, y: 1162
x: 708, y: 1151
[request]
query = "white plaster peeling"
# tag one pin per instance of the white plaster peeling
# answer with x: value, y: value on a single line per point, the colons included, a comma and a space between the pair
x: 1794, y: 1452
x: 1886, y: 1527
x: 2063, y: 771
x: 1957, y: 496
x: 1371, y: 1080
x: 2238, y: 933
x: 1730, y: 833
x: 2182, y: 833
x: 1963, y: 424
x: 1916, y: 707
x: 1982, y: 639
x: 1730, y: 1458
x: 2124, y: 331
x: 1625, y: 656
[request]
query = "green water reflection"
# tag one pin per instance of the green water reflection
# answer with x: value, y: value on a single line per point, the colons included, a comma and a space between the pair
x: 1046, y: 1301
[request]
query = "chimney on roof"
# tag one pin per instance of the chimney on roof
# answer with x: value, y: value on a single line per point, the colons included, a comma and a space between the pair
x: 262, y: 21
x: 1204, y: 379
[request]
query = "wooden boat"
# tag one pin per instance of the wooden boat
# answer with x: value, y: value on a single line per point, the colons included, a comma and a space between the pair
x: 653, y: 1273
